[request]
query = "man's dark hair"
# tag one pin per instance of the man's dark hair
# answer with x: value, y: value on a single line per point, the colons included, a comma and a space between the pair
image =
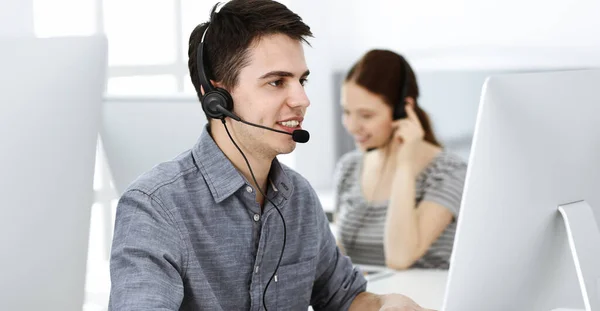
x: 237, y: 25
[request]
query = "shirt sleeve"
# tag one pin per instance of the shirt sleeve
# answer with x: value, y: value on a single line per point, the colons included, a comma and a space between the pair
x: 445, y: 187
x: 337, y: 282
x: 147, y: 256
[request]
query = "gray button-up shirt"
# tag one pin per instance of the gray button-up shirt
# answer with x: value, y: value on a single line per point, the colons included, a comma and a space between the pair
x: 189, y: 235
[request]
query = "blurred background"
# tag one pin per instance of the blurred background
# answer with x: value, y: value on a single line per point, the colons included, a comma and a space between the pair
x: 151, y: 112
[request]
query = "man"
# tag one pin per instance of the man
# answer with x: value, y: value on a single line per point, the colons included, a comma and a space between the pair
x: 197, y: 233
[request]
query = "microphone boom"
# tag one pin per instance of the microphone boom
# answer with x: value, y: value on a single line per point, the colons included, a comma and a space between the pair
x: 299, y: 136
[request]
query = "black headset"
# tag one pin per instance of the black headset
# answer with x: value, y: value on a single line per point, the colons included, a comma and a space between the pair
x: 214, y: 97
x: 399, y: 111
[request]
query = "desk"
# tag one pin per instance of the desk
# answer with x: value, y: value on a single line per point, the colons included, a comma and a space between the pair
x: 425, y: 287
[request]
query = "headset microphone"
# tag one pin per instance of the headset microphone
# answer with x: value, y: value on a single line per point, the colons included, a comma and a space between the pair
x: 299, y: 136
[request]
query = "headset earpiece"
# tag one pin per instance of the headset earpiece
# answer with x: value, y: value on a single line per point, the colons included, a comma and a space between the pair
x: 400, y: 107
x: 213, y: 96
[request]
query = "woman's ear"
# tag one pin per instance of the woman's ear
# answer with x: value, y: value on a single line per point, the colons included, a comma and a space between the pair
x: 409, y: 101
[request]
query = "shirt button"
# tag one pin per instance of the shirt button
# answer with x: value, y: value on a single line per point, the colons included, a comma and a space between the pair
x: 249, y: 189
x: 256, y: 217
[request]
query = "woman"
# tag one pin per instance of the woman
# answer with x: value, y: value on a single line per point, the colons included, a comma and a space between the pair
x: 398, y: 194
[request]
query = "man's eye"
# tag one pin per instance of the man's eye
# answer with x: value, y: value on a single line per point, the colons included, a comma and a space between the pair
x: 303, y: 81
x: 276, y: 83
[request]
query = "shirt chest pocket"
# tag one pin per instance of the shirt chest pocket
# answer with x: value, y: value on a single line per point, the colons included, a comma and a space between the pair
x: 294, y: 285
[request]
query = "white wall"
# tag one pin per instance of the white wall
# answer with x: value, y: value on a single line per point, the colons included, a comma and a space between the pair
x: 16, y: 17
x: 416, y: 25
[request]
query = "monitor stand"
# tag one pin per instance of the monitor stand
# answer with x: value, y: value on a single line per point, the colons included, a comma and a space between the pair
x: 584, y: 241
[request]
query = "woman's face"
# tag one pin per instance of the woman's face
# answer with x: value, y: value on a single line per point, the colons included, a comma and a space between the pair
x: 366, y: 116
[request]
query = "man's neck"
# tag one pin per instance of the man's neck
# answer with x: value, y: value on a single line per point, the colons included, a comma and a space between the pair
x: 261, y: 165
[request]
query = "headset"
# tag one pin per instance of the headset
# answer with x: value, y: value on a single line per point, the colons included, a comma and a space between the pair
x: 399, y: 111
x: 399, y: 108
x: 217, y: 103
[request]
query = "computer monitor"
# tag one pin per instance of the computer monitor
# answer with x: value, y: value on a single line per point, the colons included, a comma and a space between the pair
x: 50, y: 98
x: 536, y: 148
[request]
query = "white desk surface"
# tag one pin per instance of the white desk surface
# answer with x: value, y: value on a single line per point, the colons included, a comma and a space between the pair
x: 425, y: 287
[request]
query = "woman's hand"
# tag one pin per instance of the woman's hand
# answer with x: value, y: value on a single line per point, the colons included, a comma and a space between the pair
x: 407, y: 135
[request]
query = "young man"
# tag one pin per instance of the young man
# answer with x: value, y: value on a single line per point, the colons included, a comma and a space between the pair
x: 196, y: 233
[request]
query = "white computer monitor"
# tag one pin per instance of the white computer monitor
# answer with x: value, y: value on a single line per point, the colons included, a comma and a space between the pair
x: 536, y: 147
x: 50, y: 106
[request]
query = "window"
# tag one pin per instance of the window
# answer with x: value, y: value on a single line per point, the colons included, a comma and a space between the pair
x: 140, y: 37
x: 65, y: 18
x: 147, y: 47
x: 147, y: 85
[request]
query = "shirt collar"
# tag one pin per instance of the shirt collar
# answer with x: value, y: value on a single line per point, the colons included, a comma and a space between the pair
x: 223, y: 179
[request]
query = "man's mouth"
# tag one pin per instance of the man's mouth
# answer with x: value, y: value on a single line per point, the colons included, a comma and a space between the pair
x: 290, y: 123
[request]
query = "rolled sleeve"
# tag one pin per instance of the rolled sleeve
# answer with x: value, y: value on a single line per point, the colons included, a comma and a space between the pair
x: 337, y: 281
x: 147, y: 256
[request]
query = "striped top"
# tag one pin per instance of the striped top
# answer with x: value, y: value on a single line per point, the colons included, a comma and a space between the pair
x: 361, y: 224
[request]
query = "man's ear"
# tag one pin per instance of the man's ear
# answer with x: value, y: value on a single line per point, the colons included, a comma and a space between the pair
x: 215, y: 84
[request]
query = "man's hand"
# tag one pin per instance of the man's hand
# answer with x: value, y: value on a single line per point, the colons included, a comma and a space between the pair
x: 390, y: 302
x: 397, y: 302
